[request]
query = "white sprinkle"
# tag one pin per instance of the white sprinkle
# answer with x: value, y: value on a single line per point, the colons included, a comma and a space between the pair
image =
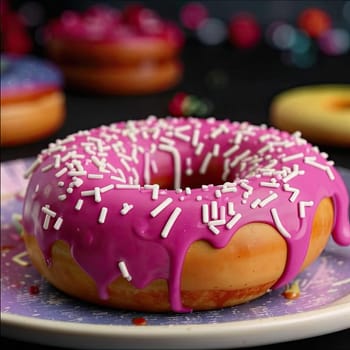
x: 106, y: 188
x: 264, y: 149
x: 239, y: 158
x: 32, y: 168
x: 302, y: 205
x: 126, y: 165
x: 77, y: 182
x: 46, y: 222
x: 199, y: 198
x: 61, y: 172
x: 110, y: 167
x: 169, y: 224
x: 204, y: 166
x: 295, y: 191
x: 312, y: 161
x: 217, y: 222
x: 57, y: 158
x: 46, y: 168
x: 294, y: 173
x: 126, y: 208
x: 48, y: 211
x: 124, y: 270
x: 154, y: 166
x: 217, y: 193
x: 269, y: 184
x: 214, y: 229
x: 77, y: 173
x: 62, y: 197
x: 205, y: 213
x: 216, y: 150
x: 233, y: 221
x: 214, y: 210
x: 88, y: 193
x: 155, y: 190
x: 238, y: 138
x: 166, y: 140
x: 121, y: 176
x: 158, y: 209
x: 199, y: 149
x: 128, y: 186
x: 223, y: 213
x: 18, y: 259
x: 177, y: 163
x: 188, y: 190
x: 278, y: 223
x: 248, y: 189
x: 228, y: 189
x: 292, y: 157
x: 182, y: 136
x: 268, y: 199
x: 58, y: 223
x: 230, y: 151
x: 183, y: 128
x: 255, y: 203
x: 95, y: 176
x: 272, y: 164
x: 79, y: 204
x: 218, y: 131
x: 146, y: 169
x: 102, y: 216
x: 189, y: 170
x: 330, y: 173
x: 195, y: 137
x: 97, y: 194
x: 231, y: 209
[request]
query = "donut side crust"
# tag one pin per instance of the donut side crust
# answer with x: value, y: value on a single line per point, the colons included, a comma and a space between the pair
x: 212, y: 278
x: 27, y: 121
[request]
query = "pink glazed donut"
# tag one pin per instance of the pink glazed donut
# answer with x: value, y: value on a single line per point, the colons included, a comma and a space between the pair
x: 180, y: 214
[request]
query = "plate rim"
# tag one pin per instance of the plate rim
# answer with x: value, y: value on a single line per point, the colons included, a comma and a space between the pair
x: 326, y: 319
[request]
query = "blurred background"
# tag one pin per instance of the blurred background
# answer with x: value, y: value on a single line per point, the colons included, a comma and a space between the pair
x: 332, y: 13
x: 237, y: 56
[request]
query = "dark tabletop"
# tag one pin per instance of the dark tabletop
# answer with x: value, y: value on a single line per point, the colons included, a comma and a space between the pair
x: 240, y: 86
x: 244, y: 85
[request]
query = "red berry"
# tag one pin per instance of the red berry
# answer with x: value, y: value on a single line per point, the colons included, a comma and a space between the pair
x: 176, y: 105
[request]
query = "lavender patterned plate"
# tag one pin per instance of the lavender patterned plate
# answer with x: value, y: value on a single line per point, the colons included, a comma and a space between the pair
x: 34, y: 311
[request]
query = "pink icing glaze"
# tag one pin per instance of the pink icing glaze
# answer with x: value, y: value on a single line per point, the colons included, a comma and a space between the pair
x: 95, y: 190
x: 104, y: 24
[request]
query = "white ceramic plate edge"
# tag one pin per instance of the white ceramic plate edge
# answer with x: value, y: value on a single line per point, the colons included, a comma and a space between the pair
x: 325, y: 320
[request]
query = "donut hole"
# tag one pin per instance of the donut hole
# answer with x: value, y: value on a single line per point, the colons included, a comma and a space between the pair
x: 190, y: 177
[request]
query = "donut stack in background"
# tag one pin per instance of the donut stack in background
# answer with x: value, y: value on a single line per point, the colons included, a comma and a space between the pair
x: 106, y: 50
